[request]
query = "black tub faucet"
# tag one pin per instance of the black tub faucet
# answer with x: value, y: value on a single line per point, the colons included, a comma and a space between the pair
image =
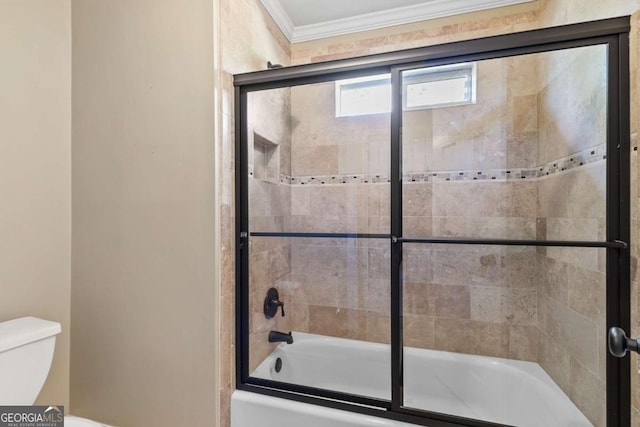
x: 276, y: 336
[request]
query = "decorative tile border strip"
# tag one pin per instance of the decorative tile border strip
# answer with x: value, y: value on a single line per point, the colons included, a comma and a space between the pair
x: 334, y: 179
x: 581, y: 158
x: 599, y: 152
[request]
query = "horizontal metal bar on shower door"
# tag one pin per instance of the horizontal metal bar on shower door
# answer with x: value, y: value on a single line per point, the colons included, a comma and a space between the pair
x: 321, y: 235
x: 379, y: 412
x: 507, y: 242
x: 373, y: 402
x: 450, y: 241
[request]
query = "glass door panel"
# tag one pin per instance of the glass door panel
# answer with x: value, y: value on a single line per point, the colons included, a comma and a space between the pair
x: 508, y: 148
x: 497, y: 153
x: 318, y: 235
x: 505, y: 334
x: 335, y: 294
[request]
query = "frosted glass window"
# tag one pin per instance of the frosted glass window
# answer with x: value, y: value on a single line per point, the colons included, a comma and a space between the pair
x: 365, y: 95
x: 438, y: 92
x: 442, y: 86
x: 431, y: 87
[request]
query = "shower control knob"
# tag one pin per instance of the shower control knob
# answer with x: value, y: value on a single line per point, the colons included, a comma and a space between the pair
x: 620, y: 344
x: 272, y: 303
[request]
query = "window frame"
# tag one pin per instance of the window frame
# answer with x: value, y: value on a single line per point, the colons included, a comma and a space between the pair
x: 425, y: 75
x: 367, y: 81
x: 445, y: 72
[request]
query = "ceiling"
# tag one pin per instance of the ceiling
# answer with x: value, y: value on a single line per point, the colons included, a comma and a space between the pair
x: 303, y: 20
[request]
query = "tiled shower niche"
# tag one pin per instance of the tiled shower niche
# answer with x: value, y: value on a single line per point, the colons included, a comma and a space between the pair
x: 525, y: 161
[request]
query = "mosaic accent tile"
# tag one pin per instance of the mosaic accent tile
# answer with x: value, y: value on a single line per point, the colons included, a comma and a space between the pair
x: 593, y: 154
x: 581, y: 158
x: 333, y: 179
x: 477, y: 175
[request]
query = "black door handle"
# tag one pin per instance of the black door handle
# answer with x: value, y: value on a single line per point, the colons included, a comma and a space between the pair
x: 620, y: 344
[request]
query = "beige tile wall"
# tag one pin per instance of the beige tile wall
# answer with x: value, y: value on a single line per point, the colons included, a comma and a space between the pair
x: 571, y: 206
x: 477, y: 136
x: 323, y: 144
x: 572, y: 103
x: 269, y: 118
x: 481, y: 299
x: 249, y: 38
x: 556, y: 12
x: 499, y: 131
x: 269, y: 125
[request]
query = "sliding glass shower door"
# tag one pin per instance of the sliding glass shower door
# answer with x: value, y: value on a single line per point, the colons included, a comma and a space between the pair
x: 318, y: 181
x: 440, y: 236
x: 503, y: 274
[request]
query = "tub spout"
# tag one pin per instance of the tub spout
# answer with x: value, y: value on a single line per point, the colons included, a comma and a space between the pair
x: 275, y: 336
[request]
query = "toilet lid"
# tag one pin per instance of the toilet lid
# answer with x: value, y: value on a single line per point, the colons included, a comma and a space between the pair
x: 71, y: 421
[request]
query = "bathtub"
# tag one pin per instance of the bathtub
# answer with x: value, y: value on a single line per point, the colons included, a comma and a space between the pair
x: 499, y: 390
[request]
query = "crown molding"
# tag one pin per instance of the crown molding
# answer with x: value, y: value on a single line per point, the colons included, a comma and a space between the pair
x: 375, y: 20
x: 281, y: 17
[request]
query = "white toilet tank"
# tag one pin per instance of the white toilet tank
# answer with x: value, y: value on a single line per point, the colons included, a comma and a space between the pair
x: 26, y: 353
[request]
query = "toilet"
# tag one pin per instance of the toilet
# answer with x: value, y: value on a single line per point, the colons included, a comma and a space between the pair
x: 26, y: 353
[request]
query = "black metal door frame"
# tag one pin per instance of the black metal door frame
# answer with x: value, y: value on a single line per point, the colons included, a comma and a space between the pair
x: 610, y: 32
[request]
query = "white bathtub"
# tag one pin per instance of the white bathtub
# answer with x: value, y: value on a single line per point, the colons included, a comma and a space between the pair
x: 492, y: 389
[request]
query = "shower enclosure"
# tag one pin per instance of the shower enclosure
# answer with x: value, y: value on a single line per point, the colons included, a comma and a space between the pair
x: 461, y: 208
